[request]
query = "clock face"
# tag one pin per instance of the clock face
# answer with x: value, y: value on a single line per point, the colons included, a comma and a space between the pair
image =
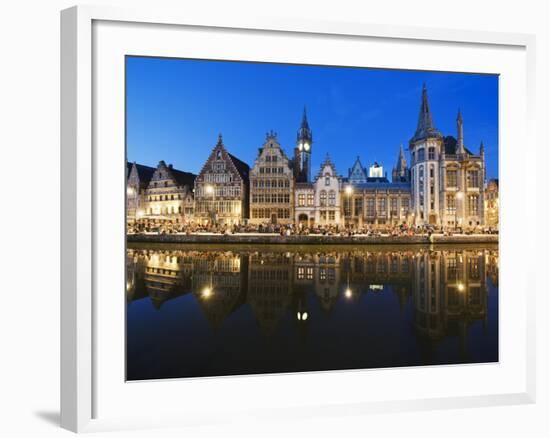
x: 306, y: 147
x: 300, y: 146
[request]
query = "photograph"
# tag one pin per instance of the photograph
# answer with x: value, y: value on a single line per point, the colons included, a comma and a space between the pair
x: 285, y: 218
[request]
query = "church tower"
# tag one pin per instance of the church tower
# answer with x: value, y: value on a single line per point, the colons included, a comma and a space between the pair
x: 426, y: 147
x: 400, y: 172
x: 302, y: 152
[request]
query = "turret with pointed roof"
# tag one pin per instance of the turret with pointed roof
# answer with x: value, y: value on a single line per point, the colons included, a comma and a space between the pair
x: 425, y: 128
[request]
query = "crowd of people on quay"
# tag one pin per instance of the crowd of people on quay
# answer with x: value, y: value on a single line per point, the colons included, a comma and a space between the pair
x: 302, y: 229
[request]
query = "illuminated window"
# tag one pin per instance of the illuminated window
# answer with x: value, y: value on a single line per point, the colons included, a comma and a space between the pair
x: 451, y: 204
x: 472, y: 178
x: 452, y: 179
x: 473, y: 205
x: 323, y: 198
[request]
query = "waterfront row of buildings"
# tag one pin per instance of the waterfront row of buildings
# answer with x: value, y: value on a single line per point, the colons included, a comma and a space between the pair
x: 444, y: 185
x: 445, y: 287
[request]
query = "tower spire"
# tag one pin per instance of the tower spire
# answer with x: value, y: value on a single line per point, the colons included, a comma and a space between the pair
x: 304, y: 133
x: 302, y: 151
x: 459, y: 133
x: 400, y: 171
x: 425, y: 127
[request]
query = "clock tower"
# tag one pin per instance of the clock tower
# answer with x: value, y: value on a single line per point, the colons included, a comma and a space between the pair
x: 302, y: 152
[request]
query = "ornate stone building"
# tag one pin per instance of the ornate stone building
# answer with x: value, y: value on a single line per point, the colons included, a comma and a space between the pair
x: 327, y: 195
x: 373, y: 200
x: 271, y: 185
x: 304, y: 204
x: 169, y: 196
x: 491, y: 203
x: 318, y: 203
x: 138, y: 177
x: 222, y: 189
x: 447, y: 179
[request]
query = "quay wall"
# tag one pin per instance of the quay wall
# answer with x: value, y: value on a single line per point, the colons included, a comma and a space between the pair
x: 271, y: 239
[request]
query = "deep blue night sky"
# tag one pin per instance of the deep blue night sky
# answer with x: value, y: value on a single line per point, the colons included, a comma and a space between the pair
x: 177, y: 107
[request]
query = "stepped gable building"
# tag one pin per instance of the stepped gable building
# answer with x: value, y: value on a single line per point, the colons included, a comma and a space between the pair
x: 138, y: 177
x: 169, y: 196
x: 318, y: 202
x: 222, y: 189
x: 271, y: 185
x: 447, y: 179
x: 327, y: 194
x: 302, y: 152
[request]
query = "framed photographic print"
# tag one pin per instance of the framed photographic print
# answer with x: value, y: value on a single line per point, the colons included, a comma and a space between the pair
x: 286, y: 218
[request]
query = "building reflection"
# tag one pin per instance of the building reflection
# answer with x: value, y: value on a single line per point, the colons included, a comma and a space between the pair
x: 444, y: 290
x: 270, y: 287
x: 219, y: 283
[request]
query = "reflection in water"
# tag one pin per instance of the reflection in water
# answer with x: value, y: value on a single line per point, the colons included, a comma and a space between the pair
x: 255, y: 310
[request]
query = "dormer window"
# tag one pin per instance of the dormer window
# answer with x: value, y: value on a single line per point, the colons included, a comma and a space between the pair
x: 327, y: 180
x: 219, y: 155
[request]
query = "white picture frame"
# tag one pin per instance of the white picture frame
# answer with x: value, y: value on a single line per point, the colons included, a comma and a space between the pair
x: 80, y: 369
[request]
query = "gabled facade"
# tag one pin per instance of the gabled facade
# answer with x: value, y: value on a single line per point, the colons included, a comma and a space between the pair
x: 357, y: 174
x: 222, y: 189
x: 327, y: 195
x: 271, y: 185
x: 169, y: 195
x: 138, y: 177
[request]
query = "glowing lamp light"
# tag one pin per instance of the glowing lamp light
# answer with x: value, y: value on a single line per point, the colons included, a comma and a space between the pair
x: 460, y: 287
x: 349, y: 190
x: 206, y: 292
x: 348, y: 293
x: 304, y: 316
x: 459, y: 195
x: 209, y: 189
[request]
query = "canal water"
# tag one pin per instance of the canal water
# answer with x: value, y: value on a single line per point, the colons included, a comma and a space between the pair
x: 206, y: 310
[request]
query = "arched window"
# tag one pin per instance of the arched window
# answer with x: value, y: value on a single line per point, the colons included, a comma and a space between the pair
x: 323, y: 198
x: 421, y: 153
